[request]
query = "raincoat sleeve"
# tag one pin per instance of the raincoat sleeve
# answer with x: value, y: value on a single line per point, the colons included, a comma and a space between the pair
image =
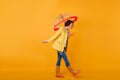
x: 56, y: 34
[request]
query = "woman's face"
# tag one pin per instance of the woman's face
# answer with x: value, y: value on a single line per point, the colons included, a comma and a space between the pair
x: 71, y: 26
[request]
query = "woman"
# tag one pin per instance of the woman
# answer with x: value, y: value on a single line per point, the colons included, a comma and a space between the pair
x: 60, y: 41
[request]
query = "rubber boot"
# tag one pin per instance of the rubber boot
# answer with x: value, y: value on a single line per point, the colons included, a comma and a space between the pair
x: 58, y: 74
x: 74, y: 72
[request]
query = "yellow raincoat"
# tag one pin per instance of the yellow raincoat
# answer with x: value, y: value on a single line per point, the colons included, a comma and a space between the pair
x: 59, y: 39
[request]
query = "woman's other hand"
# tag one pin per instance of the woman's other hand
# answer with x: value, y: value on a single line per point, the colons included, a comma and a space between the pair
x: 45, y: 41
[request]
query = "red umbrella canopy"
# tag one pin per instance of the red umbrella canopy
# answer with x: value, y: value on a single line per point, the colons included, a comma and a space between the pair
x: 62, y: 18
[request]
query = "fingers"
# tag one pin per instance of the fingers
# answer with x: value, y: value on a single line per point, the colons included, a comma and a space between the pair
x: 45, y: 41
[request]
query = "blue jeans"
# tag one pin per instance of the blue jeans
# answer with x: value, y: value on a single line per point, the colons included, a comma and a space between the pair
x: 64, y: 56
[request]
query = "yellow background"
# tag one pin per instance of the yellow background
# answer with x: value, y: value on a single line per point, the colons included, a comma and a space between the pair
x: 94, y: 49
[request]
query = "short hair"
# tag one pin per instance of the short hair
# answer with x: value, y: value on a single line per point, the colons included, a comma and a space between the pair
x: 68, y: 22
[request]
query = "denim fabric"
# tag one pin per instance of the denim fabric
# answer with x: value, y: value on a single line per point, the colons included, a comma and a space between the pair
x: 64, y: 56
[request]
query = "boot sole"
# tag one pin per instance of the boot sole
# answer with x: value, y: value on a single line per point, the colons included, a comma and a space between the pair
x: 76, y: 73
x: 59, y: 77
